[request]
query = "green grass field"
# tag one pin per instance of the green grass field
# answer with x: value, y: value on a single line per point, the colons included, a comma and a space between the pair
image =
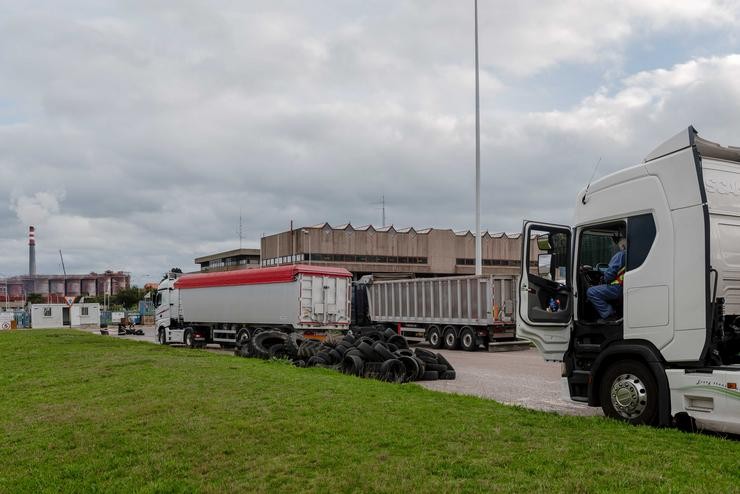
x: 87, y: 413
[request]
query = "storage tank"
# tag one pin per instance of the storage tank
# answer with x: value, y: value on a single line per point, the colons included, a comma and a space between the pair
x: 88, y: 287
x: 56, y: 286
x: 73, y: 287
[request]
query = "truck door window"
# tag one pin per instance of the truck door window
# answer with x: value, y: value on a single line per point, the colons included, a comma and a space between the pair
x: 640, y: 237
x: 548, y: 293
x: 550, y: 256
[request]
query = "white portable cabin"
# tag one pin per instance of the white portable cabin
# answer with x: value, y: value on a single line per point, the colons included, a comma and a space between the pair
x: 63, y: 315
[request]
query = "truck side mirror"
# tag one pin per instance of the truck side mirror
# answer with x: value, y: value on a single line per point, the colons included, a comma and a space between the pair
x: 544, y: 264
x: 543, y: 242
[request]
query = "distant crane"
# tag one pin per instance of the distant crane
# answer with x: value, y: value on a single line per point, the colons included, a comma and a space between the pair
x: 63, y: 271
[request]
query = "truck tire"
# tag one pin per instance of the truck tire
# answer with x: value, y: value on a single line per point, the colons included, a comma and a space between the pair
x: 437, y: 367
x: 412, y: 368
x: 451, y: 341
x: 393, y: 371
x: 434, y: 335
x: 426, y: 355
x: 242, y: 339
x: 398, y: 341
x: 187, y: 338
x: 383, y: 352
x: 442, y: 360
x: 367, y: 352
x: 629, y: 393
x: 352, y: 365
x: 429, y: 376
x: 450, y: 374
x: 467, y: 339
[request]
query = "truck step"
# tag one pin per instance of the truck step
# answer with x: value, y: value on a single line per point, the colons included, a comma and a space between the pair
x: 588, y: 347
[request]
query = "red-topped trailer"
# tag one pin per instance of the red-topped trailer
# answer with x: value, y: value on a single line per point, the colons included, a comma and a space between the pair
x: 224, y: 307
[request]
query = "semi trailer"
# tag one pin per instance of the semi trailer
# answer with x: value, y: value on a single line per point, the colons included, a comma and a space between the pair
x: 669, y: 354
x: 466, y: 312
x: 229, y: 307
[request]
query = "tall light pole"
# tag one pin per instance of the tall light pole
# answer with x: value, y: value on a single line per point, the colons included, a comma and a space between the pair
x: 306, y: 232
x: 478, y: 262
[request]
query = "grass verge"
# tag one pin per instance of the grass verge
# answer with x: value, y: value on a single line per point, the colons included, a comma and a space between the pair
x: 87, y: 413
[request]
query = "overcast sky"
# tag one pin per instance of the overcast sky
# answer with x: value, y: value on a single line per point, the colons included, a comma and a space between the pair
x: 132, y: 133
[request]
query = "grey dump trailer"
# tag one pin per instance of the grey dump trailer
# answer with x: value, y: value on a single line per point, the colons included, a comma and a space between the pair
x: 229, y: 307
x: 465, y: 312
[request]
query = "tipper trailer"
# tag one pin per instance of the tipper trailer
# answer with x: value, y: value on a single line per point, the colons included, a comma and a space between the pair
x: 466, y: 312
x: 229, y: 307
x: 670, y: 356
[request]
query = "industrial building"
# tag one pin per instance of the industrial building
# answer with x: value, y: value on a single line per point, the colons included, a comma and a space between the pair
x: 370, y: 250
x: 54, y: 287
x: 231, y: 259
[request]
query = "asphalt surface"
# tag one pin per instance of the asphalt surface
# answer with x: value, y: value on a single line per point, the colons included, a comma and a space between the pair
x: 518, y: 377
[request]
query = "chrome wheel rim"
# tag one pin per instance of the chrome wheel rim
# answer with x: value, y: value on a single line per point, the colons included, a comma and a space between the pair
x: 467, y: 340
x: 434, y: 338
x: 629, y: 396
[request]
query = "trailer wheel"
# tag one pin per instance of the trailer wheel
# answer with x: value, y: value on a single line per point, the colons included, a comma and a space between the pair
x: 467, y: 339
x: 434, y: 335
x: 629, y: 393
x: 451, y: 339
x: 187, y: 338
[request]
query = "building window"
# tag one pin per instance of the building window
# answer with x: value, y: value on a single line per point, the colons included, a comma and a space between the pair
x: 85, y: 311
x: 47, y: 311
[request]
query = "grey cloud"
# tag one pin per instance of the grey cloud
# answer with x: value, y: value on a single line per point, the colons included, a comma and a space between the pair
x: 155, y: 123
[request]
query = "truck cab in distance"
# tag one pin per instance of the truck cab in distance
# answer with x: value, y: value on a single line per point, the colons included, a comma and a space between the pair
x: 664, y: 348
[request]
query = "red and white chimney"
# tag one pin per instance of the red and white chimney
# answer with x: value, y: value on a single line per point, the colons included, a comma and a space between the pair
x: 31, y: 251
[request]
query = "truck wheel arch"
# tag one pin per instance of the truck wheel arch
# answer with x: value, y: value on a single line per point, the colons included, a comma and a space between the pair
x: 642, y: 351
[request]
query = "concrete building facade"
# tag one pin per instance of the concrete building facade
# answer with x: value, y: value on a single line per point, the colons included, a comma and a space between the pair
x: 371, y: 250
x: 229, y: 260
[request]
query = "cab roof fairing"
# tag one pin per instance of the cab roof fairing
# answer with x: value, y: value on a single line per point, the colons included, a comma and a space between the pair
x: 682, y: 140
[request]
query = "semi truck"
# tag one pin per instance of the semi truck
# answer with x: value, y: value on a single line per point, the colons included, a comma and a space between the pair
x: 669, y: 354
x: 466, y: 312
x: 229, y: 307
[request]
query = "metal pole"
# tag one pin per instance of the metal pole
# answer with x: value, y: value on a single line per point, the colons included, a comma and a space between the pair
x: 478, y: 262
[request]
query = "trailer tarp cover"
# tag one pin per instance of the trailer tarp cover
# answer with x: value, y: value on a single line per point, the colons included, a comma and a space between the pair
x: 280, y: 274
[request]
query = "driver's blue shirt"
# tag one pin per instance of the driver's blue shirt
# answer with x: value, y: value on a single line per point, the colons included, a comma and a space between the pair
x: 617, y: 263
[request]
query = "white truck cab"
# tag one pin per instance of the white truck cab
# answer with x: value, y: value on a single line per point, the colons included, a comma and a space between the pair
x: 669, y: 352
x: 167, y: 311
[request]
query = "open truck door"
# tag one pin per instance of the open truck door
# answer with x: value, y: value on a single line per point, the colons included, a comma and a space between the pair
x: 545, y: 288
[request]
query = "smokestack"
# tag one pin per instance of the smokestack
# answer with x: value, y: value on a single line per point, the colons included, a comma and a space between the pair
x: 31, y: 251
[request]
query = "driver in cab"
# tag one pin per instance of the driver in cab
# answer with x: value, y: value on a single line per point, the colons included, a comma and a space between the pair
x: 611, y: 288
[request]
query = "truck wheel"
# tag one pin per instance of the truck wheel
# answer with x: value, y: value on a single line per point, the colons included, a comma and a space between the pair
x: 467, y: 340
x: 188, y: 339
x: 435, y: 337
x: 629, y: 393
x: 161, y: 337
x: 242, y: 342
x: 450, y: 338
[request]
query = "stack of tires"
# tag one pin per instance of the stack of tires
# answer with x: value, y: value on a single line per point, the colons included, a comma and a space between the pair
x: 382, y: 355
